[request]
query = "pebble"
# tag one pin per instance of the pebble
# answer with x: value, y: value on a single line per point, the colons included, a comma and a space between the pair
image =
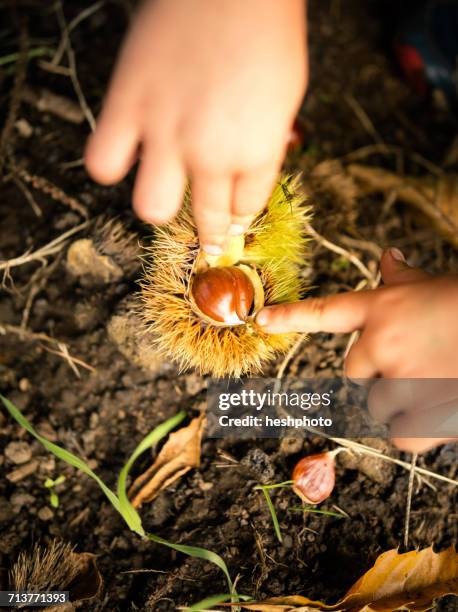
x: 205, y: 486
x: 291, y: 446
x: 287, y: 541
x: 6, y: 511
x: 93, y: 420
x: 46, y: 430
x: 18, y: 500
x: 24, y: 385
x: 45, y: 513
x: 23, y: 127
x: 18, y: 452
x: 194, y: 384
x: 22, y: 472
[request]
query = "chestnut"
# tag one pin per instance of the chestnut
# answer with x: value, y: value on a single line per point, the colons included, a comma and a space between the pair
x: 223, y: 294
x: 314, y: 477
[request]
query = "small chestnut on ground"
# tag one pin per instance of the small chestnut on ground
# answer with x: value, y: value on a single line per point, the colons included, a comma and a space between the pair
x: 314, y: 477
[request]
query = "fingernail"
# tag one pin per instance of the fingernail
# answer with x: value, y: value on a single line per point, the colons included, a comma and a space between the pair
x: 397, y: 254
x: 263, y: 317
x: 235, y: 229
x: 212, y: 249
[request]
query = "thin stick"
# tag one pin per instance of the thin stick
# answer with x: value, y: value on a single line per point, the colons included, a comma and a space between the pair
x: 72, y: 65
x: 365, y: 120
x: 341, y: 251
x: 45, y: 186
x: 28, y: 195
x: 26, y: 334
x: 409, y: 499
x: 38, y: 282
x: 7, y: 134
x: 369, y: 450
x: 289, y: 355
x: 364, y: 245
x: 363, y: 152
x: 40, y: 254
x: 87, y: 12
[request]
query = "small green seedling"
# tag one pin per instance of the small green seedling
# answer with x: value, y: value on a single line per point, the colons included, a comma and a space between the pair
x: 49, y: 483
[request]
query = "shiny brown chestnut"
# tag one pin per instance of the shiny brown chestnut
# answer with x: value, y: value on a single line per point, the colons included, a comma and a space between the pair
x: 224, y: 295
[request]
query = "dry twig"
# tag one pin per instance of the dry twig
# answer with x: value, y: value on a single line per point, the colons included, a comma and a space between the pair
x: 40, y: 254
x: 365, y: 120
x: 343, y: 252
x: 28, y: 195
x: 15, y: 98
x: 56, y: 193
x: 72, y: 66
x: 84, y: 14
x: 369, y: 450
x: 287, y: 359
x: 409, y: 499
x: 37, y: 283
x: 62, y: 348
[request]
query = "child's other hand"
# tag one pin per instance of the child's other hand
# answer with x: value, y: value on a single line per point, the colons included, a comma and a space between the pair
x: 409, y: 330
x: 208, y: 90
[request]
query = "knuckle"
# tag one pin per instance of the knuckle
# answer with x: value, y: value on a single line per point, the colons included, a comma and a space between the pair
x: 318, y: 307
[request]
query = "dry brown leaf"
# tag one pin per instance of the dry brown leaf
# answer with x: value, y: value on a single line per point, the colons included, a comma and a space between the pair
x: 179, y: 454
x: 409, y: 581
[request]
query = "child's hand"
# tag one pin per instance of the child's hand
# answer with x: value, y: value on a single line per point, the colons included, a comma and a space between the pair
x: 209, y: 90
x: 409, y: 330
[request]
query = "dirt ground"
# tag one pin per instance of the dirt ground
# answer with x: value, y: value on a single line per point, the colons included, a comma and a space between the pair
x: 357, y: 99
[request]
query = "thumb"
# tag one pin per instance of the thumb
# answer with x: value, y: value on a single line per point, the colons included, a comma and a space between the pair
x: 343, y: 312
x: 395, y: 269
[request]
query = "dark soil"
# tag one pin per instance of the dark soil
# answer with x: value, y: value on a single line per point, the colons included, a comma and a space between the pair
x: 102, y: 416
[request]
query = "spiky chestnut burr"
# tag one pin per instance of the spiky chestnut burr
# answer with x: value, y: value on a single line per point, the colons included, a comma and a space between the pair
x: 271, y: 255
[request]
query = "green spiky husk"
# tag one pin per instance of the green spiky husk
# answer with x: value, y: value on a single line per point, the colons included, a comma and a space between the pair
x: 276, y: 244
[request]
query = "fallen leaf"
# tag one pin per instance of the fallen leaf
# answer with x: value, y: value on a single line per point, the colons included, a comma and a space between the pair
x: 409, y: 581
x: 179, y: 454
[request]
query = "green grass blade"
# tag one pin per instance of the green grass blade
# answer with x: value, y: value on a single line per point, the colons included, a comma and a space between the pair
x: 279, y: 485
x: 37, y: 52
x: 208, y: 602
x: 199, y: 553
x: 148, y: 441
x: 273, y: 514
x: 214, y: 600
x: 315, y: 511
x: 61, y: 453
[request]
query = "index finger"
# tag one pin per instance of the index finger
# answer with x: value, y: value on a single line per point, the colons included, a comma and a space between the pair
x: 211, y: 201
x: 341, y: 313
